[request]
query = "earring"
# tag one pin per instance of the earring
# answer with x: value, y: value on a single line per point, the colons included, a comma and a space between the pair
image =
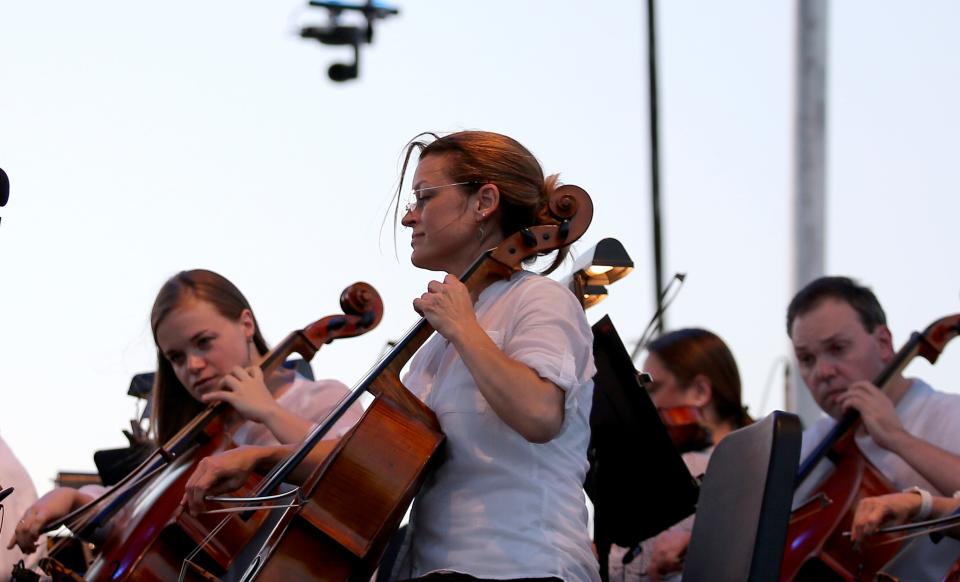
x: 481, y: 233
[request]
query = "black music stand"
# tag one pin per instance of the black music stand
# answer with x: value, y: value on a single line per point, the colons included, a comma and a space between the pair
x: 637, y: 480
x: 741, y: 526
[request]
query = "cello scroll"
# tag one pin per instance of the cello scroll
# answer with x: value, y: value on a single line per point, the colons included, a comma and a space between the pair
x: 565, y: 218
x: 936, y: 337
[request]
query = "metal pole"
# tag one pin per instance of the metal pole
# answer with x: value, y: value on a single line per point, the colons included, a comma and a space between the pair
x: 655, y: 167
x: 809, y: 195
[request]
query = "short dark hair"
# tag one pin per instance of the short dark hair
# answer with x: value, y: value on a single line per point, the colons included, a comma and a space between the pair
x: 845, y: 289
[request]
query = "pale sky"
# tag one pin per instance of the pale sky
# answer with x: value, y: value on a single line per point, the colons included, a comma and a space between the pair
x: 146, y: 138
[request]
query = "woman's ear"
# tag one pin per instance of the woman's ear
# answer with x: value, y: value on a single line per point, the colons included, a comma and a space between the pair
x: 488, y: 201
x: 701, y: 390
x: 247, y: 323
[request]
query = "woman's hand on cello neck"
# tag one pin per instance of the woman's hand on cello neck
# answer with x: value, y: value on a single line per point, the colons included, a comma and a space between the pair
x: 522, y: 399
x: 245, y: 389
x: 448, y: 307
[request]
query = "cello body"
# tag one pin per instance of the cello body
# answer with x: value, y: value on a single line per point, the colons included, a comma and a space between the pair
x: 150, y: 536
x: 343, y: 529
x: 336, y: 540
x: 816, y: 547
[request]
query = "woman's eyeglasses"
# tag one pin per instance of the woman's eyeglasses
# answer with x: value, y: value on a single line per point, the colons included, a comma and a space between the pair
x: 417, y: 201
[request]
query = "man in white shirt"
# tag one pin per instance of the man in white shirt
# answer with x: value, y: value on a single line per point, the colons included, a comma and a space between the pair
x: 841, y: 342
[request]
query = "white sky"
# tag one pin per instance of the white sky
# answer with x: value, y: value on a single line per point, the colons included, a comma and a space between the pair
x: 146, y: 138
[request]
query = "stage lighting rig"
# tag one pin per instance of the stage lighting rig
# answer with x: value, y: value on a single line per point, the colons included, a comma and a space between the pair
x: 336, y: 32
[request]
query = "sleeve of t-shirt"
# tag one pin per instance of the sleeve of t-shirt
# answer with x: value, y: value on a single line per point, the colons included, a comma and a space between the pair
x: 550, y: 334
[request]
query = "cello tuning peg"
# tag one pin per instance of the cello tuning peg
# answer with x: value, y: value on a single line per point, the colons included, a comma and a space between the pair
x: 529, y: 239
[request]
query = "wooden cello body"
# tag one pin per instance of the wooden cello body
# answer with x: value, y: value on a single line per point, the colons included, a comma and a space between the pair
x: 152, y: 526
x: 148, y: 533
x: 817, y: 548
x: 355, y: 499
x: 341, y: 531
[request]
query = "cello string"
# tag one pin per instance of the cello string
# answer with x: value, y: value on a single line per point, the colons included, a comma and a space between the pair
x: 203, y: 543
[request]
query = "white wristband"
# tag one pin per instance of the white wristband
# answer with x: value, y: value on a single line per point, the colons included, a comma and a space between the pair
x: 926, y: 502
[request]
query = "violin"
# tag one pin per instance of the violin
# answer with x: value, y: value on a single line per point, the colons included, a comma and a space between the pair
x: 685, y: 427
x: 143, y: 510
x: 684, y: 424
x: 815, y: 546
x: 352, y: 503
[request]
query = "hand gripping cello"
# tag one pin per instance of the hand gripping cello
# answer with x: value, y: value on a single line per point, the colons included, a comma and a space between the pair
x: 816, y: 548
x: 146, y: 529
x: 354, y: 500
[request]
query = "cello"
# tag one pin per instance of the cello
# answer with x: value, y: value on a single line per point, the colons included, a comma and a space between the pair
x: 140, y: 508
x: 816, y: 548
x: 353, y: 501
